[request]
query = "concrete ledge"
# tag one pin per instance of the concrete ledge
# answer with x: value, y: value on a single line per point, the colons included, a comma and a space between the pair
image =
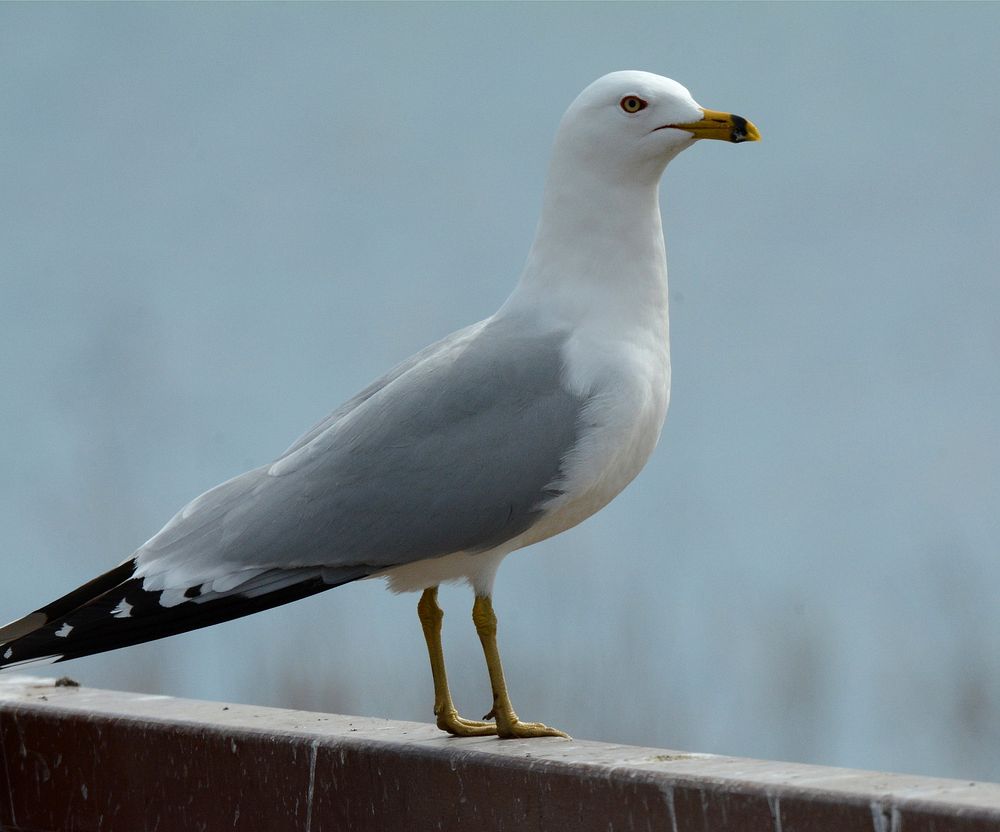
x: 83, y: 759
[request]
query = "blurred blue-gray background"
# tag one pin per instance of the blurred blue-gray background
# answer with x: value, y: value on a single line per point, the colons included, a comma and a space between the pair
x: 219, y: 221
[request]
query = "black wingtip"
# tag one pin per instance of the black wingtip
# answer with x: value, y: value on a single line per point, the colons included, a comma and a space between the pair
x: 67, y: 603
x: 128, y: 614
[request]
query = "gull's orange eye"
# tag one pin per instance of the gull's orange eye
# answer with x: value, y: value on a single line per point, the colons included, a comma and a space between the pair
x: 632, y: 104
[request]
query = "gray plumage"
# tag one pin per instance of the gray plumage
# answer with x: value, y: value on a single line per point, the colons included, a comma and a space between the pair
x: 457, y: 449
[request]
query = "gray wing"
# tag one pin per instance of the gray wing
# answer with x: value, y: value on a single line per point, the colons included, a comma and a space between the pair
x: 456, y: 338
x: 455, y: 450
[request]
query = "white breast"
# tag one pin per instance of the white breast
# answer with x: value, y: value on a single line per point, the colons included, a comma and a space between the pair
x: 626, y: 381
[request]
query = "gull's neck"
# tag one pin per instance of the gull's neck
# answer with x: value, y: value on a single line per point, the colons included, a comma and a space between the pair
x: 598, y: 251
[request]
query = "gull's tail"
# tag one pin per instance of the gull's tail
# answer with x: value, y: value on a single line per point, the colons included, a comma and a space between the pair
x: 114, y: 610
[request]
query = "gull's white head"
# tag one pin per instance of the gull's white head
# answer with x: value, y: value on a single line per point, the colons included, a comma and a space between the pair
x: 630, y: 124
x: 600, y: 220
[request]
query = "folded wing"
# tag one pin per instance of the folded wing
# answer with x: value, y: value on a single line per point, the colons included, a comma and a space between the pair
x: 458, y: 449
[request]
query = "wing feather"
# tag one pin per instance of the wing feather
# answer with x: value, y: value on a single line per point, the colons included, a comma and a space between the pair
x: 456, y: 450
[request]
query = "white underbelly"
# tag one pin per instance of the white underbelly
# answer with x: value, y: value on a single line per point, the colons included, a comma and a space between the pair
x: 607, y: 459
x: 476, y: 568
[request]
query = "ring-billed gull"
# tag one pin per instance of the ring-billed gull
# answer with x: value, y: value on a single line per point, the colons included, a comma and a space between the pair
x: 503, y: 434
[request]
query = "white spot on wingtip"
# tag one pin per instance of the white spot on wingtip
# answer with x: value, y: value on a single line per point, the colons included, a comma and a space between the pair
x: 8, y: 652
x: 64, y: 631
x: 123, y: 610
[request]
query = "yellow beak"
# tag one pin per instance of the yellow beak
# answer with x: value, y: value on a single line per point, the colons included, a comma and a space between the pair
x: 724, y: 126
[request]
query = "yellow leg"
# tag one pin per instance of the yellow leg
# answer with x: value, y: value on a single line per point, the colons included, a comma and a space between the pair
x: 508, y: 725
x: 448, y: 719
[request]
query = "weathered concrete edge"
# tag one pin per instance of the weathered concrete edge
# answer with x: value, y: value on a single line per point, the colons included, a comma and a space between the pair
x: 883, y: 793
